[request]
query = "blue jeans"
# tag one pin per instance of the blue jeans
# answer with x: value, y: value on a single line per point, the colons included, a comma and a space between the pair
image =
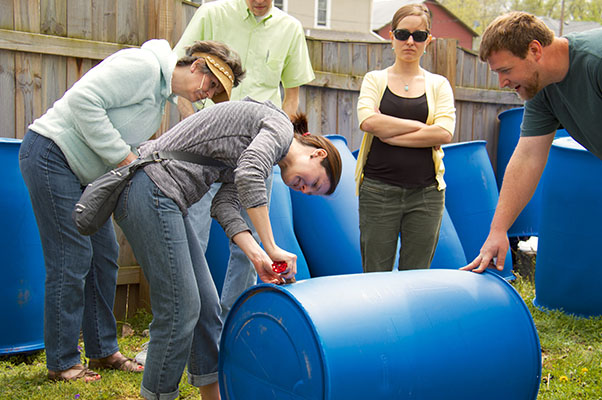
x: 240, y: 274
x: 186, y: 313
x: 81, y: 271
x: 387, y: 212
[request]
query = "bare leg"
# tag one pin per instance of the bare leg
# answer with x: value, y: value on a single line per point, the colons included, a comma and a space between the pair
x: 210, y: 392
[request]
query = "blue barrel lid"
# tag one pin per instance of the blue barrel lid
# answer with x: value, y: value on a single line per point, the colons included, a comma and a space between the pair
x: 289, y: 365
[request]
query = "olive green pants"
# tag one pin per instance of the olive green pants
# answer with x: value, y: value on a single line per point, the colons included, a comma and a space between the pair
x: 389, y: 212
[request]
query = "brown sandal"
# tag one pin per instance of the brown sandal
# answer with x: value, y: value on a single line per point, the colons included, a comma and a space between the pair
x: 85, y: 374
x: 125, y: 364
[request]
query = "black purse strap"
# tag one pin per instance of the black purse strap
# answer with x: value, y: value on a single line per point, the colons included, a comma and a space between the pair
x: 159, y: 156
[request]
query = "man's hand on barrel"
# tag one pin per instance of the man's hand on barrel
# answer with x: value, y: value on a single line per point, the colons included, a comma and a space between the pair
x: 492, y: 254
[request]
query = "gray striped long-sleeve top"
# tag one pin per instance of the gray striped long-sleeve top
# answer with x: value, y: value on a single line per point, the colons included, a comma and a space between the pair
x: 250, y: 137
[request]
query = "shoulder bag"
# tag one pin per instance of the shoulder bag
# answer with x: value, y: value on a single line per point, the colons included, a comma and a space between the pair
x: 99, y: 199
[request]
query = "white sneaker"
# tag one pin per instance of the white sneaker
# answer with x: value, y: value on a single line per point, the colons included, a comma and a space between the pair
x: 141, y: 357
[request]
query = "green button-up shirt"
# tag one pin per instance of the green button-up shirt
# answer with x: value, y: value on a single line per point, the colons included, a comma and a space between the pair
x: 272, y: 50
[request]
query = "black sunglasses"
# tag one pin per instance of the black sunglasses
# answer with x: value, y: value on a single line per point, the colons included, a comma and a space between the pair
x: 404, y: 34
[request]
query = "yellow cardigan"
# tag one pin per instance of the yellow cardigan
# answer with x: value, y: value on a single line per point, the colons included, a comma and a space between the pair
x: 441, y: 112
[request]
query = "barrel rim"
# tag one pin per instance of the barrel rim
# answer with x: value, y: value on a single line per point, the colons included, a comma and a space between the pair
x: 509, y: 111
x: 279, y: 289
x: 537, y: 343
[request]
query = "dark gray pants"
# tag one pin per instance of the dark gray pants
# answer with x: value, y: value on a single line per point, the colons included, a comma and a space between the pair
x: 387, y: 212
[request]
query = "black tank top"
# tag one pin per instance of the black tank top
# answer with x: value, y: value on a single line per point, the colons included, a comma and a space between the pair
x: 406, y: 167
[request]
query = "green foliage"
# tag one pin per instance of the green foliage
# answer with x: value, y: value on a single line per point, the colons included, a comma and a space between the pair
x: 571, y: 349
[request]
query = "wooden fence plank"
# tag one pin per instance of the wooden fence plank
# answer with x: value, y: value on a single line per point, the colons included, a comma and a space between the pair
x: 330, y: 56
x: 336, y: 81
x: 314, y: 109
x: 375, y: 56
x: 487, y: 96
x: 359, y: 64
x: 76, y: 68
x: 53, y: 17
x: 120, y: 305
x: 79, y: 23
x: 129, y: 275
x: 446, y: 60
x: 344, y: 115
x: 465, y: 131
x: 104, y: 20
x: 388, y: 56
x: 27, y: 15
x: 46, y: 44
x: 54, y: 80
x: 143, y: 20
x: 7, y: 14
x: 314, y: 48
x: 329, y: 112
x: 345, y: 59
x: 356, y: 134
x: 127, y: 22
x: 7, y: 88
x: 28, y: 103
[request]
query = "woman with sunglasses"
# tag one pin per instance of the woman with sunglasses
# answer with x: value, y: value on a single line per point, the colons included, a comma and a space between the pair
x: 249, y: 138
x: 407, y: 113
x: 94, y: 127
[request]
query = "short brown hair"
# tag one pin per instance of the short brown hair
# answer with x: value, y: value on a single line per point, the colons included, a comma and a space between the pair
x: 219, y: 50
x: 419, y: 10
x: 514, y: 32
x: 332, y: 163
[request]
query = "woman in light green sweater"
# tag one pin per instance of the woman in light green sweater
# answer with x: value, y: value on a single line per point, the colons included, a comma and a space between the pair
x: 95, y: 126
x: 407, y: 114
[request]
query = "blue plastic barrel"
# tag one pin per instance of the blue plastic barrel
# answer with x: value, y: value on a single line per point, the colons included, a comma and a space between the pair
x: 327, y: 227
x: 527, y: 223
x: 22, y: 267
x: 281, y: 218
x: 471, y: 196
x: 449, y: 253
x: 568, y: 274
x: 217, y: 254
x: 419, y: 334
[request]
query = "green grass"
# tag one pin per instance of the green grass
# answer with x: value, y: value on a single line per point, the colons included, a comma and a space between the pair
x: 571, y: 351
x: 571, y: 354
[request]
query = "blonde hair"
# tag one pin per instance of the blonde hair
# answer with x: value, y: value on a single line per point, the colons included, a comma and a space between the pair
x: 419, y: 10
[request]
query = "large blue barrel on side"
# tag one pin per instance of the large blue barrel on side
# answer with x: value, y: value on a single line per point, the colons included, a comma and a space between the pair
x: 23, y: 272
x: 471, y: 196
x: 327, y: 227
x: 420, y: 334
x: 568, y: 274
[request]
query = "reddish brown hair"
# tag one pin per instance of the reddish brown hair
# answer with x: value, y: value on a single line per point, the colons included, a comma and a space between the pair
x: 332, y: 163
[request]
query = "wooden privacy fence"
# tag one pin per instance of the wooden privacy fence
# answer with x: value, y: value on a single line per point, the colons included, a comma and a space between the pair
x: 47, y: 45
